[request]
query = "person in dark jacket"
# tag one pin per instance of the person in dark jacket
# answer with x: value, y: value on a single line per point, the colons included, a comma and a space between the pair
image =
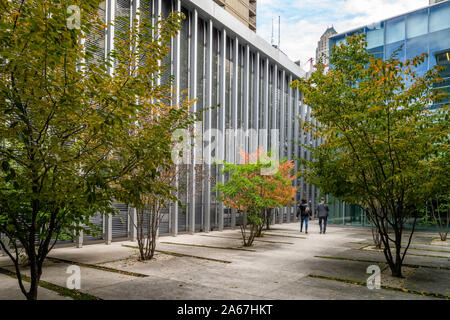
x: 322, y: 213
x: 304, y: 213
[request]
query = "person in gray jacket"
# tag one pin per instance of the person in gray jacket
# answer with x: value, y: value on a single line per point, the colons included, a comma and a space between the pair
x: 322, y: 213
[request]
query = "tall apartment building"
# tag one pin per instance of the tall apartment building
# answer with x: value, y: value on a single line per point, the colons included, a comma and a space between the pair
x: 243, y: 10
x: 323, y: 48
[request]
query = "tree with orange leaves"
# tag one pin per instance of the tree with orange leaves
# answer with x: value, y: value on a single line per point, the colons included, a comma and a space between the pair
x: 285, y: 192
x: 253, y: 192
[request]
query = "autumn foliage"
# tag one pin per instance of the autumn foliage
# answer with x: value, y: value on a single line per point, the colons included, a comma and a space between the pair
x: 253, y: 193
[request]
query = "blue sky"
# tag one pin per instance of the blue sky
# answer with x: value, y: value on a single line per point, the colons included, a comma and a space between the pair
x: 304, y: 21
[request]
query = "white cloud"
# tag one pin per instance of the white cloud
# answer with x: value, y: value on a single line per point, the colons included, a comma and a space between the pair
x: 304, y: 21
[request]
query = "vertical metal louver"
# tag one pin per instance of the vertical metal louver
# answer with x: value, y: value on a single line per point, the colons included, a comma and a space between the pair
x: 184, y: 52
x: 121, y: 24
x: 201, y: 61
x: 279, y: 106
x: 182, y: 219
x: 122, y: 17
x: 120, y: 221
x: 164, y: 222
x: 166, y: 8
x: 183, y: 196
x: 215, y: 77
x: 145, y: 19
x: 213, y: 216
x: 261, y: 95
x: 271, y: 106
x: 96, y: 220
x: 213, y: 204
x: 251, y: 105
x: 227, y: 217
x: 240, y: 90
x: 95, y: 44
x: 229, y: 72
x: 198, y: 197
x: 286, y: 115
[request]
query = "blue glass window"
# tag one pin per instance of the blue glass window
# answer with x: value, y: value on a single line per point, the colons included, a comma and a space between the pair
x: 375, y: 35
x: 438, y: 41
x: 443, y: 59
x: 377, y: 52
x: 340, y: 40
x: 417, y: 24
x: 440, y: 17
x: 397, y: 46
x: 395, y: 30
x: 415, y: 47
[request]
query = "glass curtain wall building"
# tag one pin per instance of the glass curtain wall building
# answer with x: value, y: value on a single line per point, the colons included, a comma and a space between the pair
x: 220, y: 61
x: 426, y: 30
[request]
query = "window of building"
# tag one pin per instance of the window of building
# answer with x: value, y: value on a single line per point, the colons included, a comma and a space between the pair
x: 395, y: 30
x: 375, y: 35
x: 417, y: 24
x: 443, y: 60
x: 440, y: 17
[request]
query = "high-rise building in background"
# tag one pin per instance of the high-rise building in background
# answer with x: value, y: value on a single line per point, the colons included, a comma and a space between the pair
x: 323, y: 48
x: 435, y: 1
x: 243, y: 10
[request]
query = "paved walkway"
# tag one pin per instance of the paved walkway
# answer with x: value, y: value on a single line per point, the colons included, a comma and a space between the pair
x: 284, y: 264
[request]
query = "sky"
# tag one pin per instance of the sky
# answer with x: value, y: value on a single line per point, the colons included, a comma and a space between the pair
x: 304, y: 21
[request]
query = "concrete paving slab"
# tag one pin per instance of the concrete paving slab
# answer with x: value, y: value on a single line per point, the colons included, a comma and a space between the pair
x: 313, y: 288
x: 271, y: 271
x: 351, y: 270
x: 430, y: 280
x: 95, y: 253
x: 166, y: 289
x: 9, y: 290
x: 378, y: 256
x: 56, y: 273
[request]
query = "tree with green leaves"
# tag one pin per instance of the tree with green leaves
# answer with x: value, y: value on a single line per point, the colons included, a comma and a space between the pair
x: 252, y: 190
x: 380, y: 138
x: 69, y: 119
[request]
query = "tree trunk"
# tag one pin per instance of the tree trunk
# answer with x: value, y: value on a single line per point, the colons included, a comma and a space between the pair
x: 376, y: 237
x: 252, y: 235
x: 35, y: 272
x: 268, y: 218
x: 258, y: 228
x: 34, y: 283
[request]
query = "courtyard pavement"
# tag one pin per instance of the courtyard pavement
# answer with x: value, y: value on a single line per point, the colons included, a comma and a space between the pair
x: 284, y: 264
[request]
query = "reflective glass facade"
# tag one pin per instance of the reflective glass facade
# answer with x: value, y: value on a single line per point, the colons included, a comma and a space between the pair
x: 425, y: 30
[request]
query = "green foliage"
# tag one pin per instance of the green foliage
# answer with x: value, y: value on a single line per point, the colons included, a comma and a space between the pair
x: 74, y: 128
x: 251, y: 192
x: 383, y: 147
x: 246, y: 188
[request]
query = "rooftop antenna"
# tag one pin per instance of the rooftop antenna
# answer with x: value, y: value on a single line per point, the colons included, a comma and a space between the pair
x: 271, y: 38
x: 279, y: 24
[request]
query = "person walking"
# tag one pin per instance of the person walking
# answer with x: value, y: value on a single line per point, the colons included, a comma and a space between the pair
x: 304, y: 213
x: 322, y: 213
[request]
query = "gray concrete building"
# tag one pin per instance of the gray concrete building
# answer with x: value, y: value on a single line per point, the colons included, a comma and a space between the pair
x: 221, y: 62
